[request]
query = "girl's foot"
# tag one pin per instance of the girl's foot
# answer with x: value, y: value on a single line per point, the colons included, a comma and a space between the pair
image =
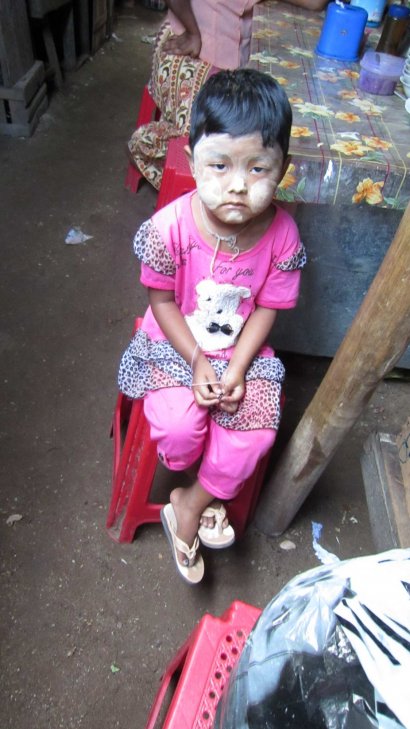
x: 208, y: 516
x: 190, y: 573
x: 215, y: 531
x: 187, y: 523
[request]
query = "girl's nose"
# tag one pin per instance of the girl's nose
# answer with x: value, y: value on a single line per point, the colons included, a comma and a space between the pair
x: 238, y: 183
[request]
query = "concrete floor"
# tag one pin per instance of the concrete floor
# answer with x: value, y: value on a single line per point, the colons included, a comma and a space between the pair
x: 74, y: 604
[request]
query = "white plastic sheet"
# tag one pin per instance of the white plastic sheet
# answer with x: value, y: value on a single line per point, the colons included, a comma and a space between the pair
x: 331, y: 651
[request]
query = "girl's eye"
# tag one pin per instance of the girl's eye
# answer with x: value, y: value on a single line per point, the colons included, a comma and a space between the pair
x: 218, y: 166
x: 258, y: 170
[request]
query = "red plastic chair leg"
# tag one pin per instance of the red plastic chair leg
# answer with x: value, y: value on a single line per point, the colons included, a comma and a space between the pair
x: 165, y: 194
x: 174, y: 667
x: 134, y: 472
x: 133, y: 178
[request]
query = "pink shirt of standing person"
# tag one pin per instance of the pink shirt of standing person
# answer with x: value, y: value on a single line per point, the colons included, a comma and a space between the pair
x: 225, y: 28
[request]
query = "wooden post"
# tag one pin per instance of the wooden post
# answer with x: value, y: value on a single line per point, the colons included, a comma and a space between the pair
x: 375, y: 341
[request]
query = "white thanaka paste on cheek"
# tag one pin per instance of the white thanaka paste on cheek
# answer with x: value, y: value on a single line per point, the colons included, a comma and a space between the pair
x: 260, y: 195
x: 209, y: 191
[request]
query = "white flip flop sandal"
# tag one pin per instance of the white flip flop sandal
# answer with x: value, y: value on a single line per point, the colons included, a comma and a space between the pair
x: 193, y: 574
x: 217, y: 537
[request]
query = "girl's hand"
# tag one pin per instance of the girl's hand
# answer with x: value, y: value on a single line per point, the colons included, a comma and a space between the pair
x: 233, y: 385
x: 187, y: 44
x: 205, y: 385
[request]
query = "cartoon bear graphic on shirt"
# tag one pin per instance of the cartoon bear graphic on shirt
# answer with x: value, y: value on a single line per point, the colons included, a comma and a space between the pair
x: 215, y: 322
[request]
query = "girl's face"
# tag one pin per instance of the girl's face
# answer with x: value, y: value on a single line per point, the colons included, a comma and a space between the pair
x: 236, y: 177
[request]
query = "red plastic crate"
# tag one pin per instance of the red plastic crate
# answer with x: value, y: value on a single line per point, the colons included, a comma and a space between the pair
x: 205, y: 662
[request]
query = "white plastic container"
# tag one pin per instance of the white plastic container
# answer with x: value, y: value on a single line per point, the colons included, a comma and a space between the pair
x: 380, y: 72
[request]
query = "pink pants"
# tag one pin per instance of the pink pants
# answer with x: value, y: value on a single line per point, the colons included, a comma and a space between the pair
x: 185, y: 432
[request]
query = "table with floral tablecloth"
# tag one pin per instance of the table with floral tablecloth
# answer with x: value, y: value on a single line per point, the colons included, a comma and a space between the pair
x: 347, y: 146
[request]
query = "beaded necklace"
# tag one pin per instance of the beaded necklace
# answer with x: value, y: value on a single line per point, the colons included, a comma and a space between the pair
x: 231, y: 240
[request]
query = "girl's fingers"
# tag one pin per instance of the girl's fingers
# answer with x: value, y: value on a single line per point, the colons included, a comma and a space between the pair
x: 205, y: 395
x: 233, y: 397
x: 229, y: 408
x: 208, y: 388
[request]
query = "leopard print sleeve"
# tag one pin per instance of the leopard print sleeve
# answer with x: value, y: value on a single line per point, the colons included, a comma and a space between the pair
x: 150, y: 248
x: 296, y: 260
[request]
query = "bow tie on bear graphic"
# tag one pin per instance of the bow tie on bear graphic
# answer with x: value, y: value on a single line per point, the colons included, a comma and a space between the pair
x: 213, y: 327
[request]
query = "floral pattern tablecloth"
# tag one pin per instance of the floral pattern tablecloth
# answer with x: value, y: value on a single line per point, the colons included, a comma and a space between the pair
x: 347, y: 146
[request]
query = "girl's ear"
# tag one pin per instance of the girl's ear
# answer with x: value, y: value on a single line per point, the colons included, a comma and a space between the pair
x: 190, y: 158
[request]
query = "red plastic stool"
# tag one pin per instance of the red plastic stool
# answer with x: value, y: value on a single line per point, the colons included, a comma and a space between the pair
x: 176, y: 178
x: 204, y: 663
x: 134, y: 465
x: 147, y: 112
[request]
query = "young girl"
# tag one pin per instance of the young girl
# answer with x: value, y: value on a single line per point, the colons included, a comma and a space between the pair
x: 218, y: 264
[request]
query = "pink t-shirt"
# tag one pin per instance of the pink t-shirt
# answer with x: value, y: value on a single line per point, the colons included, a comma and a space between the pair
x: 225, y: 27
x: 174, y: 257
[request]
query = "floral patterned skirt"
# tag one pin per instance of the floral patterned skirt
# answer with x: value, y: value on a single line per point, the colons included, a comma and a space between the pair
x: 174, y: 83
x: 151, y: 365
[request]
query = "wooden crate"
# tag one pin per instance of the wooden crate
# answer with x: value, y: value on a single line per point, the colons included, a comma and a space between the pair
x: 22, y: 105
x: 102, y: 12
x: 386, y: 475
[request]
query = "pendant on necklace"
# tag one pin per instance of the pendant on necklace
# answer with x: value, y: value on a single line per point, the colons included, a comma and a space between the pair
x: 231, y: 240
x: 233, y: 246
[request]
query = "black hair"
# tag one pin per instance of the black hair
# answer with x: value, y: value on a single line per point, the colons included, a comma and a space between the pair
x: 242, y: 102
